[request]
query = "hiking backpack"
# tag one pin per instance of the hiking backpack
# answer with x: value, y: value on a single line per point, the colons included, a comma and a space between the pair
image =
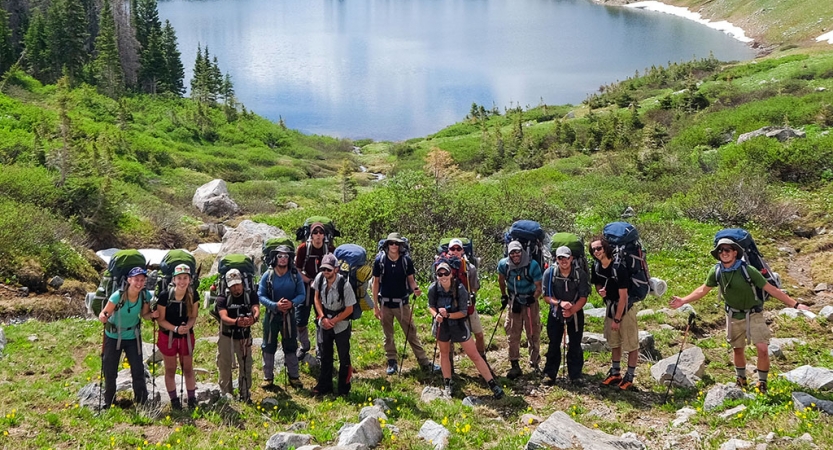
x: 576, y: 246
x: 330, y: 232
x: 404, y: 254
x: 534, y: 240
x: 246, y: 266
x: 751, y: 256
x: 629, y: 253
x: 352, y: 261
x: 172, y: 259
x: 114, y: 279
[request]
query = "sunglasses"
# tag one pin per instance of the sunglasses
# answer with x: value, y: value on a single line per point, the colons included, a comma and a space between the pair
x: 443, y: 274
x: 455, y: 248
x: 326, y: 270
x: 317, y: 232
x: 394, y: 243
x: 725, y: 250
x: 515, y: 252
x: 597, y: 249
x: 283, y: 256
x: 560, y: 258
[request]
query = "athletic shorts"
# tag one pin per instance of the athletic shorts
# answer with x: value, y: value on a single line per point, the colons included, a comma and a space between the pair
x: 736, y: 334
x: 178, y: 346
x: 455, y: 331
x: 627, y: 338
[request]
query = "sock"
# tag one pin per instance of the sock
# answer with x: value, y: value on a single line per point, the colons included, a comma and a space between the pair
x: 741, y: 371
x: 192, y: 393
x: 447, y: 381
x: 616, y: 367
x: 762, y: 375
x: 492, y: 383
x: 172, y: 394
x: 631, y: 370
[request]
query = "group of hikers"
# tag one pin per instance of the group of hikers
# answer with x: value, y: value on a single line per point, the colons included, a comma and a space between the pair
x: 333, y: 283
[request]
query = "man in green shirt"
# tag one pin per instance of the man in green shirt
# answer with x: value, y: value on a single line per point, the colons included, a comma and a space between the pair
x: 744, y: 318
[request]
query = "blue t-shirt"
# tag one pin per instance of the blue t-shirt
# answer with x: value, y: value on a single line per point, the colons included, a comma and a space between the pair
x: 282, y: 287
x: 128, y: 316
x: 520, y: 281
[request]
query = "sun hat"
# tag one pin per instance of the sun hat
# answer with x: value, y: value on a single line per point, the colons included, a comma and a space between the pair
x: 394, y: 237
x: 727, y: 241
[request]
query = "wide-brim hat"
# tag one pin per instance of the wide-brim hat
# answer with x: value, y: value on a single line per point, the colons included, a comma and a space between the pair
x: 394, y: 237
x: 727, y: 241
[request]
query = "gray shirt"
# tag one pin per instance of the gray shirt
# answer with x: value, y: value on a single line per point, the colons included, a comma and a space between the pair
x: 330, y: 298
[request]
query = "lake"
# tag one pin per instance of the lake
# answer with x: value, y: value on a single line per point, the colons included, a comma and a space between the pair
x: 397, y: 69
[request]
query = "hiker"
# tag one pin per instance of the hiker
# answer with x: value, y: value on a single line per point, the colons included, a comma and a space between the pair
x: 448, y: 303
x: 121, y: 317
x: 519, y: 278
x: 308, y: 259
x: 566, y: 289
x: 334, y: 303
x: 237, y: 315
x: 280, y: 290
x: 468, y: 276
x: 393, y: 281
x: 178, y: 311
x: 744, y: 311
x: 620, y: 328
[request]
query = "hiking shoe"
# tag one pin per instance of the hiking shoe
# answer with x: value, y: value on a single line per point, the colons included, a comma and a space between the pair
x: 497, y: 391
x: 448, y: 388
x: 577, y: 382
x: 192, y: 402
x: 301, y: 353
x: 761, y: 386
x: 392, y: 367
x: 296, y: 383
x: 742, y: 382
x: 268, y: 384
x: 515, y: 371
x: 176, y: 404
x: 627, y: 382
x: 613, y: 379
x: 428, y: 367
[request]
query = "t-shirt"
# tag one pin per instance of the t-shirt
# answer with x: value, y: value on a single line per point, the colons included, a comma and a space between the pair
x: 176, y: 312
x: 440, y: 298
x: 394, y: 283
x: 236, y: 307
x: 737, y: 293
x: 517, y: 282
x: 570, y: 288
x: 128, y: 316
x: 330, y: 299
x: 603, y: 276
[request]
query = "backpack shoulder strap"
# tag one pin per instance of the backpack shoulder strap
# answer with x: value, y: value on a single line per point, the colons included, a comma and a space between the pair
x: 341, y: 282
x: 548, y: 282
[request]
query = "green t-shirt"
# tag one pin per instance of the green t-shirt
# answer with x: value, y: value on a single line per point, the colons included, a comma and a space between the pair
x: 128, y: 316
x: 737, y: 293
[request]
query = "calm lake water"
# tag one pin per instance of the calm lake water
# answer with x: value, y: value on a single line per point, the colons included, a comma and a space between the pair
x: 396, y: 69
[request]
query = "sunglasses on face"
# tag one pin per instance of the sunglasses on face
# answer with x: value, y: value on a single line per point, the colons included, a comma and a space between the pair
x: 394, y: 243
x: 562, y: 258
x: 443, y: 274
x: 317, y: 232
x: 455, y: 249
x: 326, y: 270
x: 725, y: 250
x: 597, y: 249
x: 283, y: 256
x: 515, y: 252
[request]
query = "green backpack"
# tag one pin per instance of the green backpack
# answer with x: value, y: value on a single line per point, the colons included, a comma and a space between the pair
x: 238, y: 261
x: 269, y: 247
x: 114, y: 278
x: 172, y: 259
x: 330, y: 231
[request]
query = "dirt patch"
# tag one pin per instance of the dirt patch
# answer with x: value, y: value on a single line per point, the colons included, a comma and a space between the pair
x: 44, y: 307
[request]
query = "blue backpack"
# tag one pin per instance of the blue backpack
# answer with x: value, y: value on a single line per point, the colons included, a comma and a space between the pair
x: 532, y: 237
x: 751, y: 257
x: 629, y: 253
x: 352, y: 260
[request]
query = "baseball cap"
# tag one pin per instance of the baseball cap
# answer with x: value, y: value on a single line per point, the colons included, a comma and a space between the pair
x: 563, y: 251
x: 454, y: 242
x: 182, y: 268
x: 136, y: 271
x: 329, y: 261
x: 515, y: 245
x: 234, y: 277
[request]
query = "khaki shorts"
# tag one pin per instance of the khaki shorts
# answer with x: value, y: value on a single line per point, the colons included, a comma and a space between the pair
x: 474, y: 322
x: 627, y: 338
x: 736, y: 332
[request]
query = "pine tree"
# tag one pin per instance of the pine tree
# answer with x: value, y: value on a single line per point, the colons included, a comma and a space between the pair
x: 199, y: 84
x: 146, y: 21
x: 346, y: 182
x: 175, y: 73
x: 154, y: 68
x: 67, y: 30
x: 107, y: 66
x: 36, y: 40
x: 6, y: 50
x: 216, y: 79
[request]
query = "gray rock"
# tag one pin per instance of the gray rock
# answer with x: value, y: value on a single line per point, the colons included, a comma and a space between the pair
x: 372, y: 411
x: 148, y: 353
x: 686, y: 309
x: 736, y: 444
x: 285, y: 441
x: 821, y: 287
x: 720, y: 393
x: 630, y: 435
x: 297, y: 426
x: 595, y: 312
x: 355, y: 446
x: 435, y: 434
x: 793, y: 313
x: 665, y: 326
x: 431, y: 393
x: 594, y: 342
x: 732, y: 412
x: 683, y: 415
x: 780, y: 133
x: 804, y: 232
x: 645, y: 312
x: 310, y: 447
x: 209, y: 339
x: 32, y: 338
x: 628, y: 213
x: 290, y: 205
x: 802, y: 400
x: 393, y: 428
x: 213, y: 199
x: 3, y: 340
x: 88, y: 396
x: 530, y: 419
x: 647, y: 349
x: 311, y: 360
x: 368, y: 432
x: 806, y: 437
x: 561, y: 432
x: 827, y: 313
x: 56, y: 282
x: 777, y: 345
x: 811, y: 377
x: 691, y: 367
x: 670, y: 312
x: 771, y: 436
x: 383, y: 403
x: 472, y: 401
x: 247, y: 238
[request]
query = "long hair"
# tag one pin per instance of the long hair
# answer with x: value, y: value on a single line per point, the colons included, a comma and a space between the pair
x: 608, y: 249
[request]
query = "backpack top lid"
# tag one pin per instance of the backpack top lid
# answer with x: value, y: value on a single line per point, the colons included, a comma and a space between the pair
x: 352, y: 254
x: 176, y: 257
x: 238, y: 261
x: 620, y: 233
x: 739, y: 236
x: 303, y: 233
x: 123, y: 261
x: 524, y: 231
x: 569, y: 240
x: 271, y: 244
x: 468, y: 246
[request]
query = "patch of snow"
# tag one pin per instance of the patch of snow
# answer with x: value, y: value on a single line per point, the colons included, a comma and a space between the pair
x: 826, y: 37
x: 724, y: 26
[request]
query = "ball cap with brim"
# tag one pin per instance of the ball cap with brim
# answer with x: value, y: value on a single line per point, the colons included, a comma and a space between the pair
x: 137, y: 271
x: 182, y: 268
x: 329, y: 261
x: 515, y: 245
x: 563, y: 251
x: 727, y: 241
x: 394, y: 237
x: 234, y: 277
x: 454, y: 242
x: 442, y: 265
x: 316, y: 225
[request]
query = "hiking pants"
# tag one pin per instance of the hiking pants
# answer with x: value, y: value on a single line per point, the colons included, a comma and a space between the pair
x: 529, y: 319
x: 227, y: 350
x: 273, y: 325
x: 403, y: 316
x: 575, y: 355
x: 327, y: 338
x: 302, y: 314
x: 131, y: 350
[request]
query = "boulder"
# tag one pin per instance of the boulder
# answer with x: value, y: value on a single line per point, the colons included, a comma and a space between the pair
x: 56, y: 282
x: 720, y: 393
x: 691, y: 367
x: 645, y: 312
x: 793, y: 313
x: 559, y: 431
x: 247, y: 238
x: 827, y: 313
x: 594, y: 342
x: 811, y: 377
x: 297, y: 426
x: 286, y: 441
x: 88, y: 396
x: 368, y: 432
x: 729, y: 413
x: 777, y: 345
x: 374, y: 412
x: 780, y: 133
x: 595, y: 312
x: 151, y: 353
x: 213, y: 199
x: 472, y: 401
x: 802, y: 400
x: 435, y: 434
x: 431, y: 393
x: 821, y: 287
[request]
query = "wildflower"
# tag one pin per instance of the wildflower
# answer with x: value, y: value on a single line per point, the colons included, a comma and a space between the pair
x: 595, y: 425
x: 445, y: 421
x: 530, y: 420
x: 176, y: 429
x: 393, y: 437
x: 265, y: 425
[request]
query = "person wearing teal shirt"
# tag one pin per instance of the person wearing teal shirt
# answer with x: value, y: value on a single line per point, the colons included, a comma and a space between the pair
x: 122, y: 318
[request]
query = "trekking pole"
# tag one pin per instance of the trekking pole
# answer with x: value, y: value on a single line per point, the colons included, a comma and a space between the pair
x: 182, y: 369
x: 564, y: 357
x: 436, y: 341
x: 101, y: 377
x: 495, y: 330
x: 153, y: 364
x: 685, y: 336
x: 405, y: 344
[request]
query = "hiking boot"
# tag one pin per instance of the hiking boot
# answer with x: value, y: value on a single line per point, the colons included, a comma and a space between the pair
x: 268, y: 384
x: 428, y: 367
x: 296, y: 383
x: 627, y: 382
x: 176, y: 404
x: 742, y: 382
x: 447, y: 387
x: 761, y: 387
x: 577, y: 382
x: 613, y: 378
x: 392, y: 367
x: 301, y: 353
x: 192, y: 402
x: 515, y: 371
x: 497, y: 391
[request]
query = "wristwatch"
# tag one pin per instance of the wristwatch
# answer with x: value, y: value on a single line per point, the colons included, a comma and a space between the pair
x: 617, y: 320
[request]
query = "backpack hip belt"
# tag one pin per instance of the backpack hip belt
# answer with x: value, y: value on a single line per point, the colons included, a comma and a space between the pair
x: 332, y: 313
x: 137, y: 332
x: 730, y: 312
x: 386, y: 300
